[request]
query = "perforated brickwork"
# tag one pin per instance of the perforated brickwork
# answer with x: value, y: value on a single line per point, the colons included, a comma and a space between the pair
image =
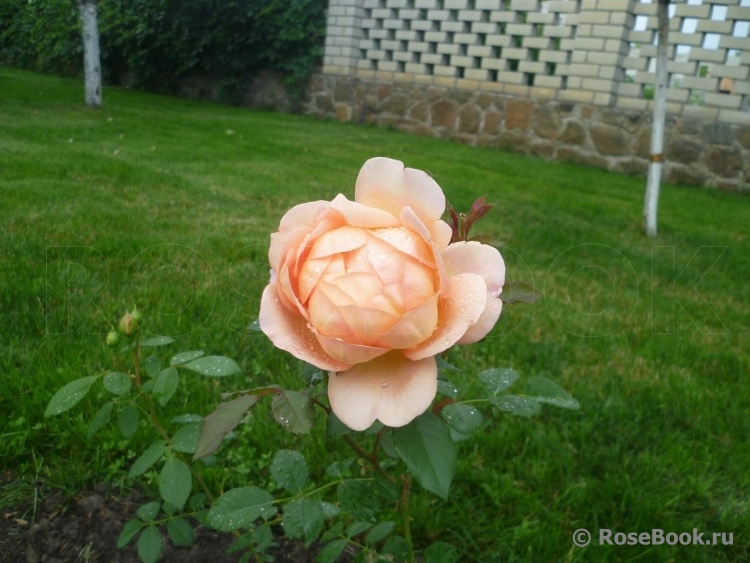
x: 591, y: 51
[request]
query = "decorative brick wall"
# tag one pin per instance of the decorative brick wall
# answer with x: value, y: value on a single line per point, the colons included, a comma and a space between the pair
x: 600, y: 52
x: 563, y: 79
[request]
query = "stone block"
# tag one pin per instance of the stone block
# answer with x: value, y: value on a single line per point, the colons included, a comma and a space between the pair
x: 610, y: 140
x: 491, y: 124
x: 343, y: 112
x: 718, y: 134
x: 684, y: 151
x: 420, y: 111
x: 573, y: 133
x: 742, y: 135
x: 544, y: 149
x: 684, y: 175
x: 443, y: 113
x: 397, y: 103
x: 546, y: 123
x: 724, y: 161
x: 513, y: 141
x: 632, y: 166
x: 518, y: 113
x: 469, y: 119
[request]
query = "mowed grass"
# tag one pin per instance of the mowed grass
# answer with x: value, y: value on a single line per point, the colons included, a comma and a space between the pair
x: 169, y: 203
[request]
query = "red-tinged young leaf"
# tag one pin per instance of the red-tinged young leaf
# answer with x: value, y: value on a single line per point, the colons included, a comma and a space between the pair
x: 216, y: 425
x: 519, y: 292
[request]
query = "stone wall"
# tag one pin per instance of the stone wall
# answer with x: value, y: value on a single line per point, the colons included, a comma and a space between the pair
x: 697, y: 151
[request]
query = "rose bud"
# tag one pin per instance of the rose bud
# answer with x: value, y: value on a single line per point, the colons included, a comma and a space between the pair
x: 113, y: 339
x: 127, y: 325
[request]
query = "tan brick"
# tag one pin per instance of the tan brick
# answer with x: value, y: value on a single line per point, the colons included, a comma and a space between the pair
x: 581, y: 96
x: 491, y: 87
x: 441, y: 70
x: 388, y: 66
x: 517, y: 90
x: 541, y: 93
x: 601, y: 99
x: 544, y: 81
x: 464, y: 84
x: 630, y: 103
x: 476, y: 74
x: 589, y: 44
x: 613, y: 5
x: 593, y: 17
x: 722, y: 100
x: 739, y: 117
x: 369, y: 74
x: 424, y: 79
x: 445, y: 81
x: 597, y: 85
x: 403, y: 77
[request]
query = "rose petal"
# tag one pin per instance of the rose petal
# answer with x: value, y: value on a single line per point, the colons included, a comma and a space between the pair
x: 486, y: 321
x: 414, y: 327
x: 418, y: 283
x: 476, y: 258
x: 324, y: 312
x: 303, y: 215
x: 405, y: 241
x: 289, y: 332
x: 441, y: 234
x: 359, y: 215
x: 389, y: 388
x: 342, y: 239
x: 385, y: 184
x: 311, y: 272
x: 347, y: 352
x: 282, y: 242
x: 458, y: 309
x: 367, y: 324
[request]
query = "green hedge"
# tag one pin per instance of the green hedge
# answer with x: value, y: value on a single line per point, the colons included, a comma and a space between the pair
x: 162, y: 41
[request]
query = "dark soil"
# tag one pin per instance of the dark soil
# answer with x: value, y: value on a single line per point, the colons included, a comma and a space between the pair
x: 85, y: 529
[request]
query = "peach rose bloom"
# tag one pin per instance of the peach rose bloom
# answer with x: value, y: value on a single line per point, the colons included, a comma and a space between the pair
x: 371, y: 290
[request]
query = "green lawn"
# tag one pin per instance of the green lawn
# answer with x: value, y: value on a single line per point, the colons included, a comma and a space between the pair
x: 169, y: 203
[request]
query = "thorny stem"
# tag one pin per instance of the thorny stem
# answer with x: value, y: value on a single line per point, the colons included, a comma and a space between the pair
x: 157, y: 423
x: 371, y: 457
x: 137, y: 356
x: 403, y: 508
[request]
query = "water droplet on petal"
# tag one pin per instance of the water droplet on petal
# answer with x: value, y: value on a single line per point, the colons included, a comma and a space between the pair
x: 382, y: 257
x: 384, y: 384
x: 317, y: 270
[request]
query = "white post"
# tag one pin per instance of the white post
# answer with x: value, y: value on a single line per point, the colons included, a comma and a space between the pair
x: 657, y: 127
x: 91, y: 57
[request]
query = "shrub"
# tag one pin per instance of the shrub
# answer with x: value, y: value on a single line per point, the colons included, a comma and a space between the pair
x: 163, y: 41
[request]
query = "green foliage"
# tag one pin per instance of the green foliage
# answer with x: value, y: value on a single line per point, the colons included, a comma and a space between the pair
x: 426, y: 446
x: 161, y: 42
x: 657, y: 444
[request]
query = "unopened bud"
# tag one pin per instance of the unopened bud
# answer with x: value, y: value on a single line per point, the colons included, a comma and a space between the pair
x: 127, y: 325
x: 137, y: 315
x: 113, y: 339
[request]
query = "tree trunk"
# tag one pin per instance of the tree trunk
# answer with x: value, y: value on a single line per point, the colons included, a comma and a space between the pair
x: 91, y: 58
x: 657, y: 127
